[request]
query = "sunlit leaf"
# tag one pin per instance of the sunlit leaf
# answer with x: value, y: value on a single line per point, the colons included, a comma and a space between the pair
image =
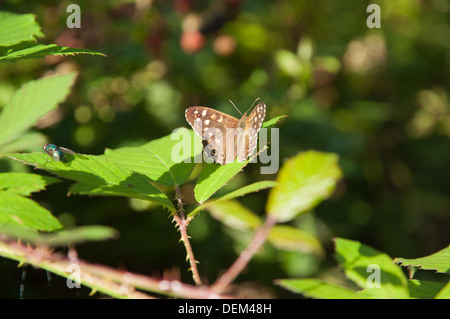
x: 303, y: 182
x: 444, y: 293
x: 96, y: 175
x: 31, y: 50
x: 439, y: 261
x: 290, y: 238
x: 234, y: 215
x: 24, y: 183
x: 17, y: 28
x: 24, y: 212
x: 272, y: 122
x: 213, y: 177
x: 27, y: 141
x: 424, y: 289
x: 32, y: 101
x: 237, y: 193
x: 156, y: 159
x: 360, y: 261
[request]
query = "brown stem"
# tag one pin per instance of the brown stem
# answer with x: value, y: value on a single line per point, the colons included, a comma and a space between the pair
x: 113, y: 282
x: 182, y: 223
x: 238, y: 266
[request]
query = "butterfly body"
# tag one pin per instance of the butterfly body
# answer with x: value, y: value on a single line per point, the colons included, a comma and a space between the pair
x: 226, y: 137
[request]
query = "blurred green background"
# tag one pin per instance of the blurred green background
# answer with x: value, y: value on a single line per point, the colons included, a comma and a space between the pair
x: 377, y: 97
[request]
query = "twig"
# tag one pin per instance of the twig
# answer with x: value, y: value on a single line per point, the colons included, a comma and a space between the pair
x: 113, y: 282
x: 182, y: 223
x: 238, y: 266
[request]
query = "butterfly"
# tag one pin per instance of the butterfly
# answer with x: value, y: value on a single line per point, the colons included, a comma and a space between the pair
x: 226, y: 137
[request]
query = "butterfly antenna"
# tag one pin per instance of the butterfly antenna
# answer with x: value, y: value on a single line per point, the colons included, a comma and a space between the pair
x: 235, y: 107
x: 252, y: 104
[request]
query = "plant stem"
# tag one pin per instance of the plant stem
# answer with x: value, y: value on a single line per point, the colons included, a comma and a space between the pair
x: 110, y: 281
x: 238, y: 266
x: 56, y: 263
x: 182, y: 223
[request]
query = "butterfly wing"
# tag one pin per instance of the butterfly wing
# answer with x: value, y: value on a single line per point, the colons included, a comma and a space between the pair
x: 252, y: 125
x: 216, y: 128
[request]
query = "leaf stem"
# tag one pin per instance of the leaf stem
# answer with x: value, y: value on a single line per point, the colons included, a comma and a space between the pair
x: 241, y: 262
x: 182, y: 223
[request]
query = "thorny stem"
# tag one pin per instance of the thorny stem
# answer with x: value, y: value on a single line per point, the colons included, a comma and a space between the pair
x: 182, y: 223
x: 113, y: 282
x: 238, y: 266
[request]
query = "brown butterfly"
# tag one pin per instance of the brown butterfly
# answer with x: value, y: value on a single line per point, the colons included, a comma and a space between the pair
x: 226, y: 137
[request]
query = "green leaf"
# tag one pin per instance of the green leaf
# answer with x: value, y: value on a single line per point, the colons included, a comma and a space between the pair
x: 15, y: 28
x: 290, y: 238
x: 237, y: 193
x: 439, y: 261
x: 288, y: 63
x: 424, y: 289
x: 155, y: 159
x: 96, y: 175
x: 273, y: 122
x: 22, y: 211
x: 234, y: 215
x: 31, y: 50
x: 213, y: 177
x: 27, y: 141
x: 32, y: 101
x: 303, y: 182
x: 24, y: 183
x: 314, y: 288
x: 356, y: 258
x: 63, y: 237
x: 444, y: 293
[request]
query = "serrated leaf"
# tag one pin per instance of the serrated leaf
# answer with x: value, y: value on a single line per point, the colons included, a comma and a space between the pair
x: 318, y: 289
x: 63, y: 237
x: 96, y: 175
x: 273, y: 121
x: 31, y: 50
x: 439, y: 261
x: 213, y: 177
x: 25, y: 142
x: 237, y: 193
x: 234, y: 215
x: 356, y: 258
x: 15, y: 28
x: 424, y: 289
x: 32, y: 101
x: 24, y: 183
x: 303, y: 182
x: 286, y: 237
x: 21, y: 211
x: 155, y: 159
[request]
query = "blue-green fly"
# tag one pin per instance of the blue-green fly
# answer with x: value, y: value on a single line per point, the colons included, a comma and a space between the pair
x: 57, y: 152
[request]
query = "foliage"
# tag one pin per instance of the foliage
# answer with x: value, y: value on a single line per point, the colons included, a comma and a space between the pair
x: 439, y: 261
x: 358, y: 261
x: 18, y: 40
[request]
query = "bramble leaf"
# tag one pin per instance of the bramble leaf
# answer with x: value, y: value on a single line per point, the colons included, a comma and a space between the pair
x: 32, y: 101
x: 303, y: 182
x: 237, y: 193
x: 96, y: 175
x: 159, y: 159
